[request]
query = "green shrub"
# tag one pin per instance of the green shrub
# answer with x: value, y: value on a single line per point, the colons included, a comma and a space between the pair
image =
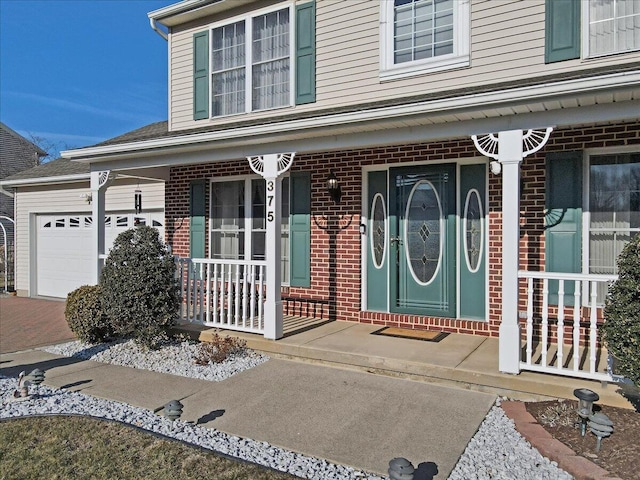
x: 85, y: 315
x: 621, y: 329
x: 140, y: 294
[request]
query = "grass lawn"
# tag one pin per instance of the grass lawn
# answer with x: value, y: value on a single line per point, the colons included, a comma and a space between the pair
x: 61, y: 447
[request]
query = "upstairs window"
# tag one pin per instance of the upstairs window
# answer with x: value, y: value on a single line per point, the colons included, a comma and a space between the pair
x: 251, y: 64
x: 613, y: 26
x: 606, y: 27
x: 419, y: 36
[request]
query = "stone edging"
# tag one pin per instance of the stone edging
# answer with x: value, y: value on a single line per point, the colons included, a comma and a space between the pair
x: 580, y: 467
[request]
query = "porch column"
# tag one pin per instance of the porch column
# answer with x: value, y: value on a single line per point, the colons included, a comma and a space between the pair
x: 99, y: 183
x: 509, y: 150
x: 271, y: 167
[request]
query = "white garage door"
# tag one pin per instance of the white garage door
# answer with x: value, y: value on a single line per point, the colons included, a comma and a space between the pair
x: 64, y: 248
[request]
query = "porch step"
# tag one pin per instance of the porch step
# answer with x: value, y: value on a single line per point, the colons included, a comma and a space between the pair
x: 462, y: 361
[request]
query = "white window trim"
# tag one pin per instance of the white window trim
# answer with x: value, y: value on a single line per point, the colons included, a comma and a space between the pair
x: 248, y: 219
x: 248, y: 19
x: 586, y: 213
x: 584, y: 31
x: 458, y: 59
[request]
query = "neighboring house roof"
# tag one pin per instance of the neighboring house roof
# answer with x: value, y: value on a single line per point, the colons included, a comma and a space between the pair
x: 16, y: 152
x: 51, y: 172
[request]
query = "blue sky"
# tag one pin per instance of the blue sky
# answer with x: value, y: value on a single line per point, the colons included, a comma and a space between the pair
x: 76, y: 72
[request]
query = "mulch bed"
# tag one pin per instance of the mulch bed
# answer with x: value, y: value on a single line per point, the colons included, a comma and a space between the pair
x: 619, y: 453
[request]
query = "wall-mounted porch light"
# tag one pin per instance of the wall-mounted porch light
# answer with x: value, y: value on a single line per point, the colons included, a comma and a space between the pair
x: 333, y: 187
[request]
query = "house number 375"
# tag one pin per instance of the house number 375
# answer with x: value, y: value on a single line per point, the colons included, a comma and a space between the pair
x: 271, y: 214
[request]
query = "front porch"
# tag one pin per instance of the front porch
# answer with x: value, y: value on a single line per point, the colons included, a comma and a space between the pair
x: 465, y: 361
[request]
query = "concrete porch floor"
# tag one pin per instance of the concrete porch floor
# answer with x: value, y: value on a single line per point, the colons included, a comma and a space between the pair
x: 463, y: 361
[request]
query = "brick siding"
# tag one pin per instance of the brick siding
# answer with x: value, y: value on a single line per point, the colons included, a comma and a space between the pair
x: 335, y: 237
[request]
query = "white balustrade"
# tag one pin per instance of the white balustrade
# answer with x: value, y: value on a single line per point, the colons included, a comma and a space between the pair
x: 544, y: 352
x: 227, y: 294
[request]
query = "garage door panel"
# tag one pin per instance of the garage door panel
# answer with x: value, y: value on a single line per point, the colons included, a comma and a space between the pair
x: 64, y: 248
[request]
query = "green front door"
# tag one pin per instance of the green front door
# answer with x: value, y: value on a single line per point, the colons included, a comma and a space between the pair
x: 422, y: 227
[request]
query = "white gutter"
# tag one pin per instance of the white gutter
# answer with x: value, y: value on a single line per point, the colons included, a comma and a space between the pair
x: 157, y: 29
x: 6, y: 192
x: 77, y: 177
x: 520, y: 95
x: 180, y: 7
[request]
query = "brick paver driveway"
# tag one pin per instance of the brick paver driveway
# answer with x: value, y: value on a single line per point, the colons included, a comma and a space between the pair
x: 31, y: 322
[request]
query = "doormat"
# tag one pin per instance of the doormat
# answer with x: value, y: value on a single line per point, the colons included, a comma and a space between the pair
x: 424, y: 335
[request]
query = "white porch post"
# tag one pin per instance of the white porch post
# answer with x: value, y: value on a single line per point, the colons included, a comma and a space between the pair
x: 271, y: 167
x: 99, y: 183
x: 509, y: 148
x: 510, y: 156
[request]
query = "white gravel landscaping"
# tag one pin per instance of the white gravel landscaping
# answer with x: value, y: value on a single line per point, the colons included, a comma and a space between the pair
x: 497, y: 451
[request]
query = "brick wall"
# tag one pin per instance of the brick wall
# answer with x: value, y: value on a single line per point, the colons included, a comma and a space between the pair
x: 335, y: 237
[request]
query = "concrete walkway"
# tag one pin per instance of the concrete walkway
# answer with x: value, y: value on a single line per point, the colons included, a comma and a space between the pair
x: 343, y: 413
x: 344, y: 416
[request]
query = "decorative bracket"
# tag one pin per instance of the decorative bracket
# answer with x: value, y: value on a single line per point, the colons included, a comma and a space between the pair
x: 103, y: 179
x: 532, y: 140
x: 271, y: 166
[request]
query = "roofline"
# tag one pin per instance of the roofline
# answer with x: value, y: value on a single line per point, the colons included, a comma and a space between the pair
x: 40, y: 151
x: 444, y: 105
x: 23, y: 182
x: 187, y: 10
x: 176, y: 8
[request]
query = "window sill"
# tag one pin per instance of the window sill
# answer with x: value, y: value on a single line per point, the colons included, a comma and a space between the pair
x: 407, y: 71
x: 251, y: 112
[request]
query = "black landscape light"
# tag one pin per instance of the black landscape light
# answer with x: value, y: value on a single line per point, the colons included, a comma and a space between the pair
x: 585, y: 398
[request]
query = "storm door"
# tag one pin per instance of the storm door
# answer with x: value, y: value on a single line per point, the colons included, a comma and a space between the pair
x: 422, y: 241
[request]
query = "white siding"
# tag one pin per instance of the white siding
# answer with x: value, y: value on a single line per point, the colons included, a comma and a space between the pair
x: 67, y: 199
x: 507, y: 43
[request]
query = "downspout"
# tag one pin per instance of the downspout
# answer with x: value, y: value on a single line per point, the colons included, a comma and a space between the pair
x: 157, y: 29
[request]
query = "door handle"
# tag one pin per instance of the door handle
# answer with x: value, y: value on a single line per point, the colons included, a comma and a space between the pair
x: 395, y: 240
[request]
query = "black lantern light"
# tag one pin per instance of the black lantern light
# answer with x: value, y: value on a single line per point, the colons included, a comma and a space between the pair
x: 137, y: 198
x: 333, y: 187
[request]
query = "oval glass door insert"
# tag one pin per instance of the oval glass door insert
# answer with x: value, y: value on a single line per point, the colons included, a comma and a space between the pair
x: 473, y: 230
x: 423, y: 232
x: 378, y: 235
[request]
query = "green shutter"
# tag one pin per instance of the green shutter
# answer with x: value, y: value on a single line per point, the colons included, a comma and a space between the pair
x: 201, y: 75
x: 562, y: 30
x: 563, y: 220
x: 300, y: 229
x: 198, y: 222
x: 306, y: 53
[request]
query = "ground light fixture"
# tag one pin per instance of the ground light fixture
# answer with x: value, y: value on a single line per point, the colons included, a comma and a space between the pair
x: 585, y: 398
x: 600, y: 426
x: 36, y: 377
x: 401, y: 469
x: 173, y: 410
x: 333, y: 187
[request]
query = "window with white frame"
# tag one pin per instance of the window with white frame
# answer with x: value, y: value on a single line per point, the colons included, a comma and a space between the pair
x: 419, y: 36
x: 238, y: 222
x: 251, y: 64
x: 613, y: 26
x: 614, y: 208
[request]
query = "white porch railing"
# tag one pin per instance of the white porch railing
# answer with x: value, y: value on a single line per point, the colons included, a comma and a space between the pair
x: 574, y: 350
x: 228, y: 294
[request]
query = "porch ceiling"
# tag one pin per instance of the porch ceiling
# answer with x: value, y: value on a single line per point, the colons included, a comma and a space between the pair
x: 426, y: 121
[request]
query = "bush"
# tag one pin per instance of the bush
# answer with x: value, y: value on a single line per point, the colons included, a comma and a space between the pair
x: 140, y: 293
x: 85, y: 315
x: 218, y: 349
x: 621, y: 329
